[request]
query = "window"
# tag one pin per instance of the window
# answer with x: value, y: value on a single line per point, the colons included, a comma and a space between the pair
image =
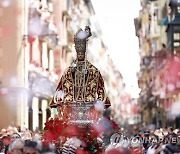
x: 35, y: 112
x: 176, y: 36
x: 45, y: 59
x: 35, y: 52
x: 178, y: 9
x: 176, y: 39
x: 176, y: 44
x: 51, y: 60
x: 40, y: 114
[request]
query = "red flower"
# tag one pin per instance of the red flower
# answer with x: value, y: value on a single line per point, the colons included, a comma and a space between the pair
x: 81, y: 151
x: 49, y: 136
x: 100, y: 151
x: 95, y: 132
x: 49, y: 125
x: 58, y: 128
x: 114, y: 151
x: 54, y: 129
x: 115, y: 126
x: 71, y: 131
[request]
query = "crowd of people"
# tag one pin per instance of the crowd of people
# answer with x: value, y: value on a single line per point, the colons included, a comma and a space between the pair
x: 14, y: 141
x: 159, y: 141
x: 139, y: 141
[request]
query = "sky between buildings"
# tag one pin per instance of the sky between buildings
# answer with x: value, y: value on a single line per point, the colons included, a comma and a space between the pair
x: 116, y: 18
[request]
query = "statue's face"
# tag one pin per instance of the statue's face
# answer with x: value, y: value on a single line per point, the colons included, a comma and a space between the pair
x: 80, y: 56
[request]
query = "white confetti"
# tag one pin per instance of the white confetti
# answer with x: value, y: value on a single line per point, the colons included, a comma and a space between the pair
x: 99, y: 106
x: 5, y: 3
x: 82, y: 35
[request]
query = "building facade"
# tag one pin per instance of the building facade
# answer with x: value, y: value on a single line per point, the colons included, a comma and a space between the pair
x: 159, y: 87
x: 36, y: 46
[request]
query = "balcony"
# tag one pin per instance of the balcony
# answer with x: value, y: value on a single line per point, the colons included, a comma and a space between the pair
x: 51, y: 40
x: 36, y: 80
x: 41, y: 24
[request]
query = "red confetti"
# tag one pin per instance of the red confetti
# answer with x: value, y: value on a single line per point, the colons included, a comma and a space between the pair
x: 31, y: 39
x: 49, y: 136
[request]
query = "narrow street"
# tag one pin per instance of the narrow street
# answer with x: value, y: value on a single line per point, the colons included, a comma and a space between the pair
x: 89, y: 77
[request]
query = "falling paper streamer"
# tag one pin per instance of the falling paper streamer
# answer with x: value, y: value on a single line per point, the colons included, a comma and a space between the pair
x: 99, y: 106
x: 82, y: 35
x: 60, y: 94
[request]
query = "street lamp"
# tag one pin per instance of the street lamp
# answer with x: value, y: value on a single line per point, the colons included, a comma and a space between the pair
x: 173, y: 29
